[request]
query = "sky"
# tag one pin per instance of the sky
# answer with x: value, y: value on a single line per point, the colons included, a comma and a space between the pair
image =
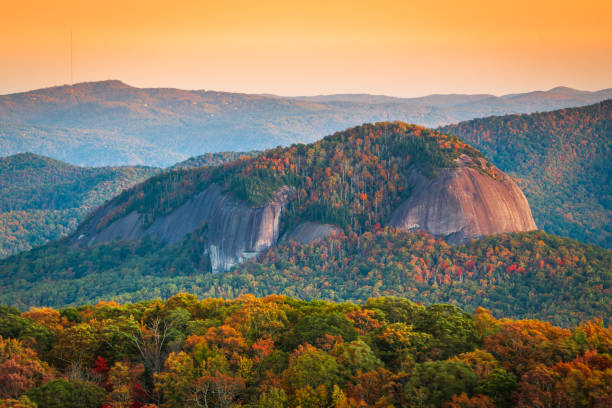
x: 401, y: 48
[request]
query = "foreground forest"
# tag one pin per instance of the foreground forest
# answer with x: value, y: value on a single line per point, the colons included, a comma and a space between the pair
x: 563, y: 163
x: 524, y: 275
x: 279, y: 352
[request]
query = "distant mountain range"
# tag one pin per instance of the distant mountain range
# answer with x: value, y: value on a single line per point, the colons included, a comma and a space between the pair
x: 111, y: 123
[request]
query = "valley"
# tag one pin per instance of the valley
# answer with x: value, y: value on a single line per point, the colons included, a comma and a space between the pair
x: 43, y: 199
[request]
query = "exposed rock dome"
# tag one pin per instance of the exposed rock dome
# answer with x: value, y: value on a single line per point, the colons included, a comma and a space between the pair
x: 309, y: 232
x: 464, y: 203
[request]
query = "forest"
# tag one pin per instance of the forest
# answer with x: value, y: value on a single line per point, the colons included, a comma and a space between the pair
x: 42, y: 199
x: 521, y: 275
x: 385, y: 318
x: 262, y: 353
x: 562, y: 162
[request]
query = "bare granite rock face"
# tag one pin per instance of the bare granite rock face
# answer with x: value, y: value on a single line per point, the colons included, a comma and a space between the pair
x: 463, y: 203
x: 309, y: 232
x: 234, y: 232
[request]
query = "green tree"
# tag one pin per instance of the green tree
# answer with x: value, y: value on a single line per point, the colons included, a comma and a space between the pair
x: 452, y: 329
x: 500, y: 386
x: 395, y: 309
x: 311, y: 367
x: 435, y: 382
x: 354, y: 357
x: 272, y: 398
x: 61, y: 393
x: 314, y: 326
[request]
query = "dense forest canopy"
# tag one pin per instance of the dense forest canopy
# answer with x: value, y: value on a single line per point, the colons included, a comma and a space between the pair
x: 42, y: 199
x: 29, y: 181
x: 563, y: 163
x: 522, y: 275
x: 277, y: 352
x: 267, y: 333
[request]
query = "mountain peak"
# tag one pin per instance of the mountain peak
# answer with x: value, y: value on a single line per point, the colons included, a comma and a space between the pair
x: 109, y: 83
x: 563, y: 89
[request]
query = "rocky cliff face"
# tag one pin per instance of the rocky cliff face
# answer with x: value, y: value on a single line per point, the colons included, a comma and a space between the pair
x: 309, y: 232
x: 234, y: 232
x: 460, y: 204
x: 463, y: 203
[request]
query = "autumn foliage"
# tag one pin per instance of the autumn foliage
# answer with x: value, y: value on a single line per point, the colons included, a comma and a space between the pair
x: 282, y: 352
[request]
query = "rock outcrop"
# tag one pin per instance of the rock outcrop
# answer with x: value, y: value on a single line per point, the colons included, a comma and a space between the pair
x: 309, y: 232
x: 463, y: 203
x: 234, y: 232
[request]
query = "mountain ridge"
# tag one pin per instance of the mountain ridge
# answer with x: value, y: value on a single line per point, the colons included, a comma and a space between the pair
x: 112, y: 123
x: 119, y: 84
x: 402, y: 154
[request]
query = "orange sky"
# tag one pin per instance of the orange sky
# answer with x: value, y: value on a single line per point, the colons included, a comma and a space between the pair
x: 403, y: 48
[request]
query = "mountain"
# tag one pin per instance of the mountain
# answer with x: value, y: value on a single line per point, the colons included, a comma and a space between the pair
x: 42, y: 199
x: 111, y: 123
x: 278, y: 352
x: 562, y: 160
x: 521, y: 102
x: 337, y: 220
x: 403, y: 175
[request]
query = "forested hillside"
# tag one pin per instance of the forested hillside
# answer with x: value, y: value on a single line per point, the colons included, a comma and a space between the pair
x: 523, y: 275
x: 353, y: 179
x: 563, y: 163
x: 278, y: 352
x: 42, y: 199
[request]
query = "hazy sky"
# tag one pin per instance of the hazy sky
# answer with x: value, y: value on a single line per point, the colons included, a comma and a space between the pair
x: 290, y: 47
